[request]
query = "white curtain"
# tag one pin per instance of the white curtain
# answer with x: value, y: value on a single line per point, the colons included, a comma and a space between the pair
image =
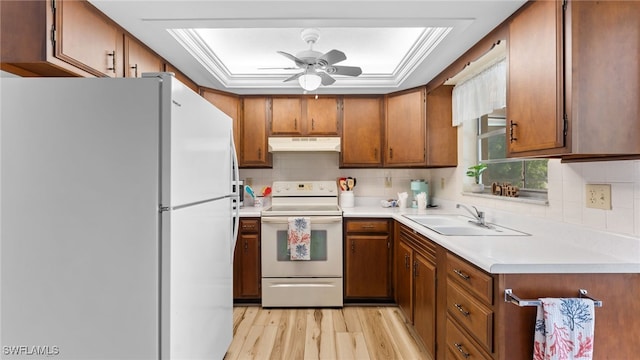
x: 481, y: 94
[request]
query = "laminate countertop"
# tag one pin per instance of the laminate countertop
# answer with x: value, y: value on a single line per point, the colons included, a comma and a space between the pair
x: 550, y: 247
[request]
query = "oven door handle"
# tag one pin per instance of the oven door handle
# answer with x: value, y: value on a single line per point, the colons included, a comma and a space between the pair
x: 314, y: 219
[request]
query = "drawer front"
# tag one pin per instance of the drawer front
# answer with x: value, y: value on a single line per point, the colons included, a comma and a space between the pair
x: 477, y: 318
x: 474, y: 280
x: 379, y: 226
x: 459, y: 347
x: 250, y: 225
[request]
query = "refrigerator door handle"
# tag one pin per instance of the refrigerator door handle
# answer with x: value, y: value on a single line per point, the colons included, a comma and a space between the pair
x: 236, y: 195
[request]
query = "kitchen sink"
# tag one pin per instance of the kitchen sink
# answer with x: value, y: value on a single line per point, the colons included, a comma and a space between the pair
x: 458, y: 225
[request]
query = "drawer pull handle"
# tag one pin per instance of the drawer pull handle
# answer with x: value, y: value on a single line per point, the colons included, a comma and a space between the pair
x: 368, y: 226
x: 461, y: 349
x: 462, y: 275
x: 462, y: 310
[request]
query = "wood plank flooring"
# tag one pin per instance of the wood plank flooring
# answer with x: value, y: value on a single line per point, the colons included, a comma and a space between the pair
x: 352, y: 332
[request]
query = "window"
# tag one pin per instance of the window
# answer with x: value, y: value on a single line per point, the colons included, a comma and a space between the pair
x: 530, y: 175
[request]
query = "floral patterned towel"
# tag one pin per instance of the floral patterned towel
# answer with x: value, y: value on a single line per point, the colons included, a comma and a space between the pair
x: 299, y: 236
x: 564, y: 329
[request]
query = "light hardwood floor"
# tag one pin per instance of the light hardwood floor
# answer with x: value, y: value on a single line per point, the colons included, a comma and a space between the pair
x: 376, y: 332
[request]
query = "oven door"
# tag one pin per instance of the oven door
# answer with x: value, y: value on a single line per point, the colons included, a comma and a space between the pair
x: 325, y: 248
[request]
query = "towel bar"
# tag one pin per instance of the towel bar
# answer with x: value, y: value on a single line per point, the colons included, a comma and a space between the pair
x: 509, y: 296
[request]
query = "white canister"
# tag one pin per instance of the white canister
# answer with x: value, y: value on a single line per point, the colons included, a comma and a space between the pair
x: 347, y: 199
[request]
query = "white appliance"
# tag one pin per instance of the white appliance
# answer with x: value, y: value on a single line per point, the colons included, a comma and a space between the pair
x: 116, y: 220
x: 317, y: 282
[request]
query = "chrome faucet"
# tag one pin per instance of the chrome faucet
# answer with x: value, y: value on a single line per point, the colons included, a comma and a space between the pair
x: 479, y: 215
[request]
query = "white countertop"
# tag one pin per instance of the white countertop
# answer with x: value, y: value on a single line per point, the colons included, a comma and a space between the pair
x: 552, y: 247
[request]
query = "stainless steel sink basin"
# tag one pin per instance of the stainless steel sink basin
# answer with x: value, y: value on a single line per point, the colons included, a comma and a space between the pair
x: 458, y: 225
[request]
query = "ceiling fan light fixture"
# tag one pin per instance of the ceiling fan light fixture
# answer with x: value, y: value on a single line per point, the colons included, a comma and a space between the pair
x: 310, y: 82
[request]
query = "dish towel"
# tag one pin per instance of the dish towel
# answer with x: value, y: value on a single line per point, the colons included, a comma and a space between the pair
x: 564, y: 329
x: 299, y: 238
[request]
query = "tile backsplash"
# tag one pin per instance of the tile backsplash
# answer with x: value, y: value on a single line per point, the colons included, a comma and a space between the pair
x: 567, y: 192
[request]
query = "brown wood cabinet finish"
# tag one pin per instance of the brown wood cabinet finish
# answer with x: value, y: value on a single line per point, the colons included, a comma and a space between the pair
x: 416, y: 283
x: 182, y: 77
x: 405, y: 129
x: 534, y: 89
x: 573, y: 92
x: 139, y: 59
x: 322, y: 115
x: 368, y: 259
x: 442, y: 137
x: 61, y: 38
x: 246, y: 261
x: 286, y: 116
x: 253, y: 146
x: 230, y: 105
x: 362, y: 131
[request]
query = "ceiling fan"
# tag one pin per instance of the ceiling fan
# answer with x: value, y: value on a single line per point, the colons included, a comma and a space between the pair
x: 318, y: 67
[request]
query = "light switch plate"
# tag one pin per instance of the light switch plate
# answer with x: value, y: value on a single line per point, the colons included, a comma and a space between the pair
x: 598, y: 196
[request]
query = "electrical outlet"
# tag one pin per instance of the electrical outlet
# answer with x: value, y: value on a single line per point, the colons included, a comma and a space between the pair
x: 387, y: 180
x: 441, y: 183
x: 248, y: 181
x: 598, y: 196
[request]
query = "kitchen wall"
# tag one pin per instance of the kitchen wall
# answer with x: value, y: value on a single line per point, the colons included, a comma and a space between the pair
x: 566, y: 186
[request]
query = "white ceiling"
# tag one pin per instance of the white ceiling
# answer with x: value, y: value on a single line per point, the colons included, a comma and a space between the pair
x: 223, y: 44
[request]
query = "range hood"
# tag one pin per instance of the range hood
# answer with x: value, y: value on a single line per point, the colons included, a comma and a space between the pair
x: 308, y: 144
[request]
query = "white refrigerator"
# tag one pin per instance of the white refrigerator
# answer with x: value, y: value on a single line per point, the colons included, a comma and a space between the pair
x: 115, y: 220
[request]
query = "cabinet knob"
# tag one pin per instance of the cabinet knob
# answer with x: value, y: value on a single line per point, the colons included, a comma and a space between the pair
x: 406, y: 261
x: 390, y: 153
x: 462, y: 310
x: 135, y: 70
x: 260, y: 154
x: 313, y: 124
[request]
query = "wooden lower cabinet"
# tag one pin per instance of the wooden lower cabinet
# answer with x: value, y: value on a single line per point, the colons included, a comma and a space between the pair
x: 367, y: 254
x: 415, y: 264
x: 247, y: 274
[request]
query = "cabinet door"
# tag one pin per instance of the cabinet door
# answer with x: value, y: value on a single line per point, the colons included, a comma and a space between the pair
x: 367, y: 267
x: 405, y: 129
x: 534, y: 90
x: 229, y: 104
x: 403, y: 260
x: 361, y: 132
x: 322, y: 116
x: 247, y: 276
x: 87, y: 39
x: 286, y: 116
x: 253, y: 144
x: 424, y: 311
x: 139, y: 59
x: 442, y: 137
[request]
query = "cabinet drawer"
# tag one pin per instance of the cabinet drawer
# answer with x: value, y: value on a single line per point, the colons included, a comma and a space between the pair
x: 248, y: 226
x: 379, y: 226
x: 459, y: 347
x: 474, y: 280
x: 477, y: 318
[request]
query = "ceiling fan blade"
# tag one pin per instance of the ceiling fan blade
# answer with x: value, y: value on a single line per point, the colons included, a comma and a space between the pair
x: 332, y: 57
x: 293, y: 77
x: 344, y: 70
x: 326, y: 79
x: 291, y: 57
x: 279, y: 68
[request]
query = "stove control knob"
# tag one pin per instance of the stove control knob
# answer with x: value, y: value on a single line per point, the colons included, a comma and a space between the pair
x: 321, y: 186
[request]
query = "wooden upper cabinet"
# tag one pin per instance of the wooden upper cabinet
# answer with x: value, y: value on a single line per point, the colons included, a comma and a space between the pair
x: 230, y: 105
x: 442, y: 137
x: 286, y: 116
x: 253, y: 130
x: 139, y: 59
x: 362, y: 124
x: 406, y: 129
x: 535, y: 79
x: 59, y: 38
x: 87, y: 39
x: 301, y: 116
x: 322, y: 116
x: 603, y: 82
